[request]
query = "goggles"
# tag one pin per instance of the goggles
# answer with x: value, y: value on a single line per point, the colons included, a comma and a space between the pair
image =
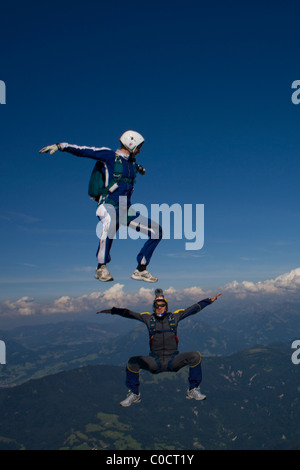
x: 159, y: 304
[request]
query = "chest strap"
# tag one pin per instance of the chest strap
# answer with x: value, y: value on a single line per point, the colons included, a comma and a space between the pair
x: 172, y: 327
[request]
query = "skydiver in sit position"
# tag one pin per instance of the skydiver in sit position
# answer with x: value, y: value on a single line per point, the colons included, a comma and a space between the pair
x: 164, y: 355
x: 118, y: 172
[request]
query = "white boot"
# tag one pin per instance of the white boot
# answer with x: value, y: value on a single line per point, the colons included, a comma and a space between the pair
x: 131, y: 398
x: 195, y: 394
x: 103, y: 274
x: 143, y: 276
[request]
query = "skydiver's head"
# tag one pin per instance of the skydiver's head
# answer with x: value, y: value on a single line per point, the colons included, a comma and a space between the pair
x: 160, y: 308
x: 132, y: 142
x: 160, y: 304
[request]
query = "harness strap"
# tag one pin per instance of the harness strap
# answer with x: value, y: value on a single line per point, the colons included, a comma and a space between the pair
x: 153, y: 331
x: 117, y: 177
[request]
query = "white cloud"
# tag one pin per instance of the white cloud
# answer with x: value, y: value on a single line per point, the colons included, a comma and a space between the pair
x: 24, y: 306
x: 115, y: 295
x: 194, y: 293
x: 283, y: 284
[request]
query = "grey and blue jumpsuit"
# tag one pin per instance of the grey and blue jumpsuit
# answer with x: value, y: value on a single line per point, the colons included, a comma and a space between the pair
x: 164, y: 355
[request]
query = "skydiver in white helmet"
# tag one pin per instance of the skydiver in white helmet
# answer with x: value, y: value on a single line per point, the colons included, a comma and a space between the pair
x: 113, y: 177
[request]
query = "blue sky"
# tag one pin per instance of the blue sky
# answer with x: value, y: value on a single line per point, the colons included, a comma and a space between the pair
x: 208, y: 84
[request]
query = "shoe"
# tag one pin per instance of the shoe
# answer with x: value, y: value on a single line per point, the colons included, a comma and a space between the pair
x: 131, y: 398
x: 103, y: 274
x: 195, y: 394
x: 143, y: 276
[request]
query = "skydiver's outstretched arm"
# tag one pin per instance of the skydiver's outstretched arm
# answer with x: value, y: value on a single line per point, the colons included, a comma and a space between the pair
x: 123, y: 312
x: 104, y: 154
x: 196, y: 307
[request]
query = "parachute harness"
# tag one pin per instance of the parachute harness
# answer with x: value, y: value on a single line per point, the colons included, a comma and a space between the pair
x: 153, y: 331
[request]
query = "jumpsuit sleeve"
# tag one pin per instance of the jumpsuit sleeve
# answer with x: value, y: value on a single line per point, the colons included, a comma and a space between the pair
x: 184, y: 313
x: 124, y: 312
x: 96, y: 153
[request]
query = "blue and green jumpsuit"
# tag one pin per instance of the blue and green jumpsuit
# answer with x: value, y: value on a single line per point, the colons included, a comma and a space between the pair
x: 123, y: 193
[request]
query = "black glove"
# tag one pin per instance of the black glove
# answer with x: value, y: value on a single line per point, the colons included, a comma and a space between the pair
x: 141, y: 170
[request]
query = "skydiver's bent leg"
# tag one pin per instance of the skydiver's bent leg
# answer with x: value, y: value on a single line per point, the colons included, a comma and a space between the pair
x: 154, y: 231
x: 192, y: 359
x: 108, y: 217
x: 134, y: 365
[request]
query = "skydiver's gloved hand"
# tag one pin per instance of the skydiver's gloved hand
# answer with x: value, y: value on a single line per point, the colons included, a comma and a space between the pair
x: 50, y: 148
x: 105, y: 311
x: 141, y: 169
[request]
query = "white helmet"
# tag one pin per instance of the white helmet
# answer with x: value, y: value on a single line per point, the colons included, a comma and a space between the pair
x: 131, y: 140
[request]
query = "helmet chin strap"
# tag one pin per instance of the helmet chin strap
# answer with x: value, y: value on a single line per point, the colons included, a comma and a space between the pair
x: 161, y: 315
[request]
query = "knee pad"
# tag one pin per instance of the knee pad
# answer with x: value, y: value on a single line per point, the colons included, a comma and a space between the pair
x: 133, y: 365
x: 196, y: 358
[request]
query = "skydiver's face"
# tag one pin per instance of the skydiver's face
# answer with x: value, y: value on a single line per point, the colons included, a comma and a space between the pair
x: 137, y: 150
x: 160, y: 308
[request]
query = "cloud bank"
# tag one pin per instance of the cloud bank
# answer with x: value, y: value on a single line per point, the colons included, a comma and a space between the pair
x: 285, y: 284
x: 113, y: 296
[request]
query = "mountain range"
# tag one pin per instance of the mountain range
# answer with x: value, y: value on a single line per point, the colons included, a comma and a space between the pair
x: 253, y: 402
x: 62, y: 384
